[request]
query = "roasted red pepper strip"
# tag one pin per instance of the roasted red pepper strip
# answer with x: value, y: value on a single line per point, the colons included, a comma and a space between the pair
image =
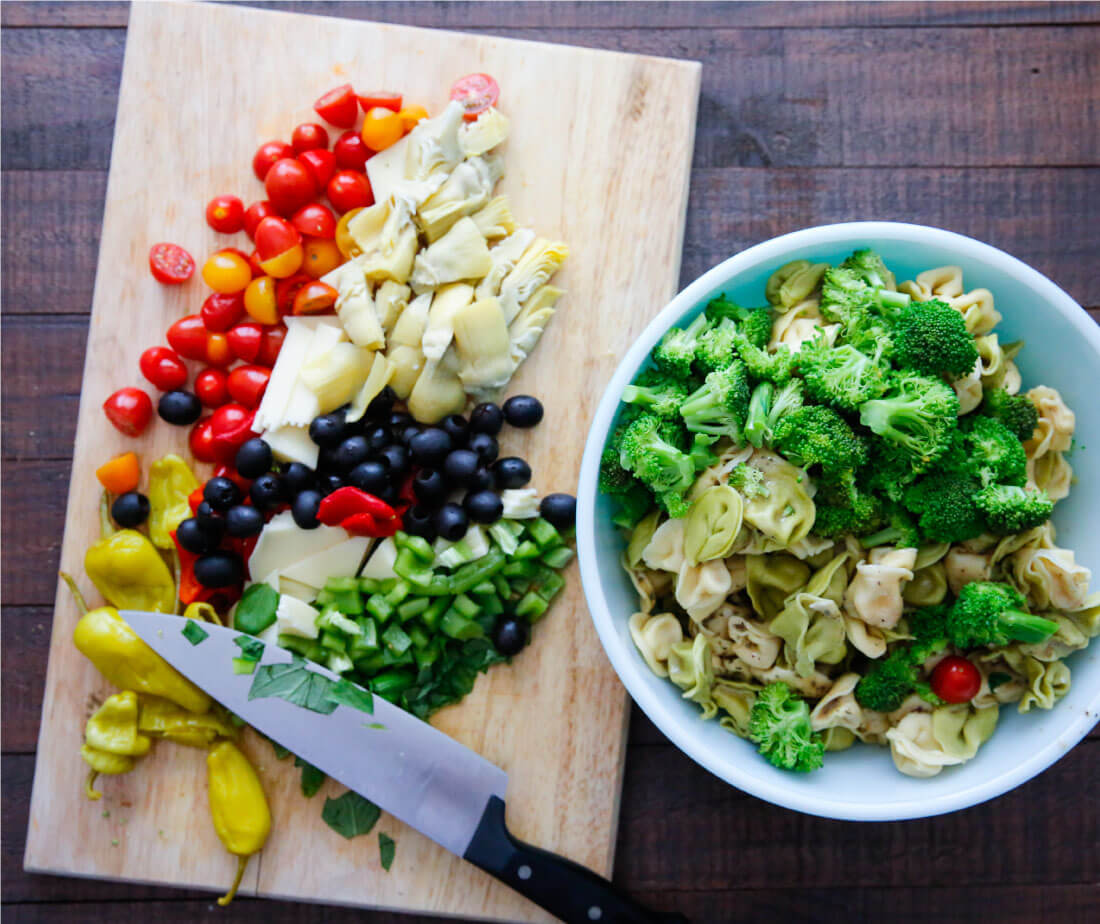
x: 347, y: 502
x: 363, y: 524
x: 227, y: 471
x: 190, y: 590
x: 194, y: 500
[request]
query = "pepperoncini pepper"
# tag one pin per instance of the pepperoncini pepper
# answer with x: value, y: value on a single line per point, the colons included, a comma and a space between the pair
x: 103, y: 762
x: 112, y: 733
x: 105, y: 639
x: 128, y: 570
x: 164, y: 719
x: 238, y: 807
x: 171, y: 482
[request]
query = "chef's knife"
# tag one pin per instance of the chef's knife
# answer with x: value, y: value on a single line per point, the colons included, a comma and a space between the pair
x: 413, y: 771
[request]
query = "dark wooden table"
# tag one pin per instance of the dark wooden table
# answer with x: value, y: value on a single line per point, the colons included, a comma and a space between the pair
x: 981, y: 118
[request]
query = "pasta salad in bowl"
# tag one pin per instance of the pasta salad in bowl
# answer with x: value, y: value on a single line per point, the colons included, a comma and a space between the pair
x: 829, y: 501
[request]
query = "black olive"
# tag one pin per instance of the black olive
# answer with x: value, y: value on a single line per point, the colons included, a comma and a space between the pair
x: 389, y: 494
x: 483, y: 506
x: 200, y: 536
x: 329, y: 482
x: 181, y: 408
x: 482, y: 480
x: 511, y: 472
x: 486, y: 418
x: 221, y: 493
x: 219, y: 569
x: 381, y: 404
x: 253, y: 458
x: 267, y: 491
x: 298, y: 477
x: 205, y: 511
x: 130, y: 509
x: 399, y: 419
x: 327, y: 459
x: 243, y: 521
x: 450, y: 522
x: 379, y: 438
x: 460, y: 467
x: 430, y: 446
x: 523, y: 411
x: 351, y: 452
x: 485, y: 446
x: 371, y: 476
x: 304, y: 509
x: 418, y: 522
x: 429, y: 488
x: 328, y: 429
x: 559, y: 510
x: 406, y: 434
x: 509, y: 635
x: 398, y: 459
x: 457, y: 427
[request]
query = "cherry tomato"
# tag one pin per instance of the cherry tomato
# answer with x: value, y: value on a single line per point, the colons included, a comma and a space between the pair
x: 381, y: 128
x: 344, y: 240
x: 410, y: 115
x: 163, y: 368
x: 314, y: 298
x: 259, y: 300
x: 211, y: 387
x: 226, y: 272
x: 247, y: 384
x: 225, y: 214
x: 275, y: 236
x: 380, y: 98
x: 121, y: 474
x: 254, y: 262
x: 171, y: 264
x: 237, y: 252
x: 256, y: 213
x: 476, y: 93
x: 266, y: 155
x: 956, y: 680
x: 231, y: 425
x: 286, y: 264
x: 217, y: 350
x: 320, y: 164
x: 338, y: 107
x: 188, y: 337
x: 350, y: 152
x: 349, y: 190
x: 271, y: 344
x: 130, y: 410
x: 315, y: 220
x: 287, y: 290
x: 221, y: 311
x: 309, y: 136
x: 320, y: 257
x: 289, y: 185
x: 244, y: 340
x: 201, y: 441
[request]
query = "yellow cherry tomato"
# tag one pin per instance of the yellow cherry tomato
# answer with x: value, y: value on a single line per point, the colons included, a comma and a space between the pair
x: 259, y: 300
x: 226, y: 272
x: 344, y: 240
x: 321, y: 257
x: 381, y: 128
x: 285, y: 264
x: 410, y: 115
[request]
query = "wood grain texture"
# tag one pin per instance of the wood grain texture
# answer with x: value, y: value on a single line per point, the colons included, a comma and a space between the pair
x: 534, y: 717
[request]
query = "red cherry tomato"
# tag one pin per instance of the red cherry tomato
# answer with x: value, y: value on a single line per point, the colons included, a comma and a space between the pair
x: 271, y: 344
x: 244, y: 340
x: 130, y: 410
x: 956, y: 680
x: 211, y: 387
x: 267, y: 154
x: 201, y: 441
x: 476, y: 93
x: 349, y: 190
x: 221, y: 311
x: 254, y: 263
x: 171, y: 264
x: 247, y: 384
x: 368, y: 101
x: 225, y: 214
x: 309, y: 136
x: 188, y: 337
x: 320, y: 164
x: 217, y: 350
x: 231, y: 425
x: 289, y: 185
x: 275, y: 236
x: 315, y: 220
x: 256, y: 213
x: 338, y: 107
x: 228, y: 471
x: 314, y: 298
x: 286, y: 290
x: 350, y: 152
x: 163, y: 368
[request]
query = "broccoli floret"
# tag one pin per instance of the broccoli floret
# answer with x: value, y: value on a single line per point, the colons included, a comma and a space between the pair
x: 869, y: 266
x: 764, y: 366
x: 631, y: 505
x: 848, y: 297
x: 918, y: 414
x: 1015, y: 411
x: 614, y: 479
x: 843, y: 508
x: 660, y: 465
x: 996, y: 455
x: 929, y: 623
x: 816, y: 435
x: 779, y: 723
x: 889, y: 470
x: 719, y: 406
x: 932, y: 338
x: 943, y: 501
x: 841, y: 376
x: 748, y: 480
x: 871, y: 335
x: 900, y: 530
x: 716, y: 349
x: 658, y: 393
x: 1011, y: 509
x: 768, y: 405
x: 754, y: 323
x: 700, y: 452
x: 988, y: 613
x: 884, y: 687
x: 676, y: 351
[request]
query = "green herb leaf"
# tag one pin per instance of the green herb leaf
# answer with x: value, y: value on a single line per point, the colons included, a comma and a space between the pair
x: 387, y: 847
x: 350, y: 815
x: 252, y: 649
x: 346, y: 693
x: 997, y: 678
x: 376, y: 725
x: 194, y: 633
x: 281, y: 753
x: 243, y: 665
x: 256, y: 609
x: 295, y: 683
x: 312, y: 778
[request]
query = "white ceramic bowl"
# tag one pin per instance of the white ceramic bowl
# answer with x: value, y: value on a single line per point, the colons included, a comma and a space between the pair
x: 1063, y: 351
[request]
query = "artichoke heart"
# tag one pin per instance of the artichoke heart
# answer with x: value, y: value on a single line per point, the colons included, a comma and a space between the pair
x: 528, y: 325
x: 387, y: 235
x: 389, y: 301
x: 336, y: 376
x: 466, y: 191
x: 433, y: 145
x: 504, y: 258
x: 490, y: 129
x: 495, y: 220
x: 355, y: 307
x: 481, y: 336
x: 404, y: 352
x: 440, y: 330
x: 460, y: 254
x: 438, y: 390
x: 381, y: 371
x: 534, y: 269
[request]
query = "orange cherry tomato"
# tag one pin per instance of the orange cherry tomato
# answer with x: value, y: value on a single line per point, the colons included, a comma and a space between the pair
x: 170, y: 264
x: 217, y: 350
x: 309, y: 136
x: 259, y: 300
x: 321, y: 257
x: 275, y: 236
x: 476, y: 93
x: 226, y: 272
x: 287, y: 289
x: 315, y: 220
x: 344, y: 240
x: 321, y: 165
x: 338, y: 107
x: 256, y: 213
x: 349, y: 189
x: 285, y: 264
x: 380, y: 98
x: 314, y: 298
x: 247, y: 385
x: 410, y: 115
x: 289, y: 185
x: 120, y: 474
x: 381, y: 128
x: 225, y: 214
x: 266, y: 155
x: 211, y: 387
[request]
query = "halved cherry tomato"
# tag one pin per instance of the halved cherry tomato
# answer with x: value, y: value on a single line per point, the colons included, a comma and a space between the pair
x: 244, y: 340
x: 254, y: 262
x: 381, y: 98
x: 201, y: 441
x: 287, y: 290
x: 170, y: 264
x: 259, y: 300
x: 410, y: 115
x: 286, y: 264
x: 256, y: 213
x: 271, y: 344
x: 315, y: 220
x: 320, y: 164
x: 120, y: 474
x: 350, y: 152
x: 956, y: 680
x: 217, y: 350
x: 309, y: 136
x: 338, y: 107
x: 211, y: 387
x: 240, y: 253
x: 476, y: 93
x: 320, y: 257
x: 315, y: 298
x: 188, y: 337
x: 227, y: 272
x: 381, y: 128
x: 349, y: 190
x: 225, y: 214
x: 221, y: 311
x: 344, y: 240
x: 247, y: 384
x: 130, y: 410
x: 275, y: 236
x: 164, y: 370
x: 289, y: 185
x: 266, y: 155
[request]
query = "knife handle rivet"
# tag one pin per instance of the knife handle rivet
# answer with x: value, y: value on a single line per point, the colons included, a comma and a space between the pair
x: 595, y: 913
x: 524, y: 872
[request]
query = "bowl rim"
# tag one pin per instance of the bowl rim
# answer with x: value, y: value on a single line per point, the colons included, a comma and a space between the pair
x: 630, y: 668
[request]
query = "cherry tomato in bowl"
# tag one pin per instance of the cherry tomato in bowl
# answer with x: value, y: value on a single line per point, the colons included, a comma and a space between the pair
x: 225, y: 214
x: 350, y: 152
x: 130, y: 410
x: 349, y: 190
x: 266, y: 155
x: 338, y: 107
x: 289, y: 185
x: 956, y: 680
x: 315, y: 220
x: 309, y: 136
x: 320, y: 164
x: 187, y: 336
x: 381, y: 128
x: 211, y: 387
x: 476, y: 93
x: 256, y: 213
x: 247, y: 384
x: 380, y: 99
x: 163, y: 368
x: 170, y: 264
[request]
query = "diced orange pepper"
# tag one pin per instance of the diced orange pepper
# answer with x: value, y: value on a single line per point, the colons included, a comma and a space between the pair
x: 121, y: 474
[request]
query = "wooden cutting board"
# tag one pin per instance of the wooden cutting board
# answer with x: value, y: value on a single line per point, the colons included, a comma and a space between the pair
x: 599, y: 156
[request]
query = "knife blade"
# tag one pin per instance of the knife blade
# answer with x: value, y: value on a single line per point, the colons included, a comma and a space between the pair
x: 402, y: 764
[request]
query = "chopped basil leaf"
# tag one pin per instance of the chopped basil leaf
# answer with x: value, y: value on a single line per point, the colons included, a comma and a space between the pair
x: 997, y: 678
x: 281, y: 753
x: 295, y: 683
x: 194, y: 633
x: 312, y: 778
x: 346, y: 693
x: 256, y: 609
x: 350, y: 815
x: 387, y: 847
x: 243, y: 665
x: 252, y: 649
x: 377, y: 725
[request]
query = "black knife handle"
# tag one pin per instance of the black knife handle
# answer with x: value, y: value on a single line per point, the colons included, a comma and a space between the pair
x: 564, y: 888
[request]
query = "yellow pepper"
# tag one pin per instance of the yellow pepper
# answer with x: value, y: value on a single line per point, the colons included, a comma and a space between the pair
x: 203, y: 612
x: 127, y: 569
x: 163, y: 719
x: 107, y: 640
x: 103, y: 762
x: 238, y: 806
x: 112, y: 732
x: 171, y: 482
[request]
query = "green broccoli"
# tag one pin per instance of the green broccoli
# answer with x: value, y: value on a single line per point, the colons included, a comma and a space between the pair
x: 871, y: 335
x: 1015, y: 411
x: 779, y: 724
x: 748, y: 480
x: 631, y: 505
x: 768, y: 405
x: 996, y: 455
x: 844, y: 508
x: 816, y: 435
x: 917, y: 413
x: 943, y: 501
x: 932, y: 338
x: 702, y: 456
x: 888, y: 682
x: 1011, y: 509
x: 841, y: 376
x: 716, y: 348
x: 900, y: 530
x: 657, y: 392
x: 662, y: 467
x: 676, y: 351
x: 869, y: 266
x: 718, y: 407
x: 774, y: 367
x: 988, y: 613
x: 847, y: 297
x: 754, y: 323
x: 614, y: 479
x: 928, y: 624
x: 889, y: 470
